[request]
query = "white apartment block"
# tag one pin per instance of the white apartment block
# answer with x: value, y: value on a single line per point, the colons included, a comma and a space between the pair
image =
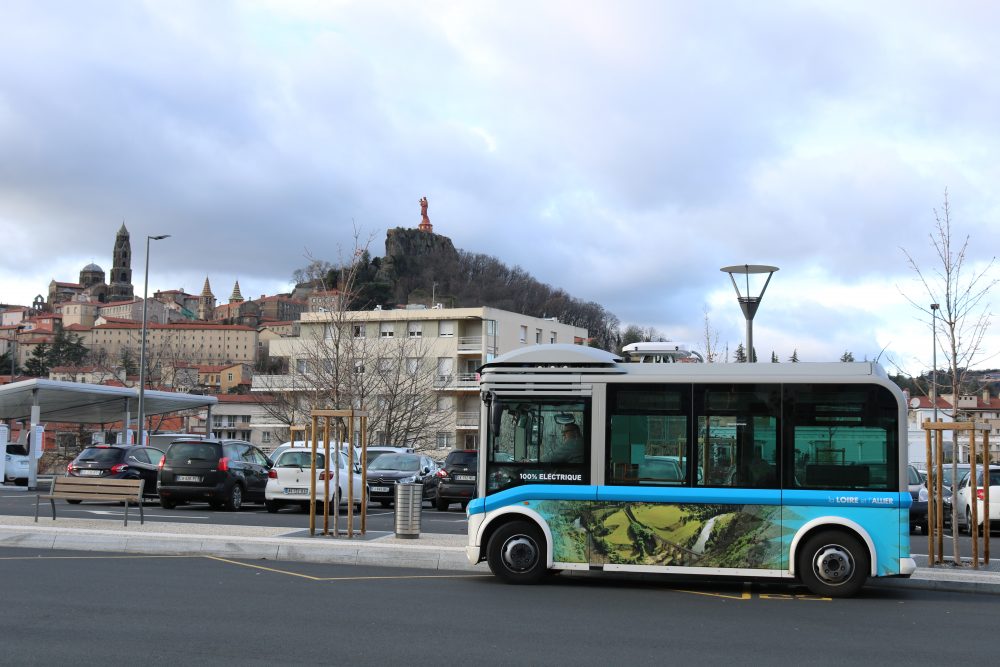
x: 454, y: 343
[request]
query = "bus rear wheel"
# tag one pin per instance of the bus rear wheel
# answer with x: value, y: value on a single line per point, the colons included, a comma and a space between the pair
x: 516, y: 553
x: 833, y: 564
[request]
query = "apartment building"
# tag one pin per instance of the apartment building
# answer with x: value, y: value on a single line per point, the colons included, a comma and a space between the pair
x: 447, y: 344
x: 199, y: 343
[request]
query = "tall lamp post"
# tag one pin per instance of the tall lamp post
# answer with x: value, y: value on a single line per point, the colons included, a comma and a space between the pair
x: 934, y: 309
x: 140, y: 417
x: 748, y: 303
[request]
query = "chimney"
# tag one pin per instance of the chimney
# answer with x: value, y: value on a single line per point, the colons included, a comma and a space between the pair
x: 986, y: 395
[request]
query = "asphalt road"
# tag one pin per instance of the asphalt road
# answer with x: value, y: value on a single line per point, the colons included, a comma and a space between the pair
x: 68, y: 607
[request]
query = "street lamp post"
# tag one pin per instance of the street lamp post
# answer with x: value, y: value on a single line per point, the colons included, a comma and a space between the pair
x: 749, y: 304
x: 140, y: 416
x: 934, y: 309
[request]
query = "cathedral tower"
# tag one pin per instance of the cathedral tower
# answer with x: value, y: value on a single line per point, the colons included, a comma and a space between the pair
x: 206, y: 303
x: 120, y: 283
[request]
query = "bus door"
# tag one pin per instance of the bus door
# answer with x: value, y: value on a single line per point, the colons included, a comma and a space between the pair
x: 538, y: 456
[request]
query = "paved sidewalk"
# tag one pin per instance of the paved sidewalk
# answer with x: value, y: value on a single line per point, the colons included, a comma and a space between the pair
x: 429, y: 551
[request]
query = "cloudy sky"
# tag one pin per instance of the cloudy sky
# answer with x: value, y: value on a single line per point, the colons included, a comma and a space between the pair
x: 624, y: 151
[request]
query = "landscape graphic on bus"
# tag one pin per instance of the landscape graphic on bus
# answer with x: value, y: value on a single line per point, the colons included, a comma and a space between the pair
x: 692, y: 535
x: 685, y: 535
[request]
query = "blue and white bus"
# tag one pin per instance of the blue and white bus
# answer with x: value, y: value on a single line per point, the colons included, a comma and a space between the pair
x: 796, y: 471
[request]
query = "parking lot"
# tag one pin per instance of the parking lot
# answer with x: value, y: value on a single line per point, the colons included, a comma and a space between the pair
x: 380, y: 520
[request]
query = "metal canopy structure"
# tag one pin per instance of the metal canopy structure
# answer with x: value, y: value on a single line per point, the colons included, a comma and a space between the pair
x: 76, y: 402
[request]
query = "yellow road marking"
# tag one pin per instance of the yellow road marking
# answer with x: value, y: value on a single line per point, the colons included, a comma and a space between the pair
x: 367, y: 578
x: 745, y: 595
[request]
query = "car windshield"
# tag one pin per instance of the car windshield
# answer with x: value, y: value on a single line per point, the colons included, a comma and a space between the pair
x: 404, y: 462
x: 100, y: 455
x: 202, y: 451
x: 914, y: 476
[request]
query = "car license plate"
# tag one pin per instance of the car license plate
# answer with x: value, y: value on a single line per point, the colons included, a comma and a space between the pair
x: 296, y: 491
x: 91, y: 473
x: 380, y: 489
x: 465, y: 478
x: 188, y: 478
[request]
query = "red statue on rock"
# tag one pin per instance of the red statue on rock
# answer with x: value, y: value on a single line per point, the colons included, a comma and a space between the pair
x: 425, y: 222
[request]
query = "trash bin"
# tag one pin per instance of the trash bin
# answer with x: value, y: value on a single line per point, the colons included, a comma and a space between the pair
x: 409, y: 500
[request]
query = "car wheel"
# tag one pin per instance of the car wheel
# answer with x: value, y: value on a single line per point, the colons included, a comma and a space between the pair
x: 441, y: 504
x: 74, y: 502
x: 516, y: 553
x: 833, y: 564
x: 235, y: 501
x: 272, y: 506
x: 167, y: 504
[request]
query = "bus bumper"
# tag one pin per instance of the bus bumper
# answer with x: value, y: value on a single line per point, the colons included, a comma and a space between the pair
x: 472, y: 549
x: 907, y: 566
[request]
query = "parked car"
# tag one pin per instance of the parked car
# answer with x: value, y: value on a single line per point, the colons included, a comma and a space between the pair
x: 118, y: 462
x: 945, y: 489
x: 225, y: 473
x: 15, y: 466
x: 918, y: 493
x: 388, y: 470
x: 457, y: 479
x: 965, y: 499
x: 289, y: 480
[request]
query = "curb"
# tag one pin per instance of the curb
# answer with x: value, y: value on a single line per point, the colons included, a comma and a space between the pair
x: 308, y: 550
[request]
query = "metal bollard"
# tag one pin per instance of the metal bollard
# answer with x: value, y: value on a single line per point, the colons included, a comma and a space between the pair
x: 409, y: 500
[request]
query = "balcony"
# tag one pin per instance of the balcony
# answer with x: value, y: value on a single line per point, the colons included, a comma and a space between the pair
x: 457, y: 381
x: 474, y: 345
x: 467, y: 420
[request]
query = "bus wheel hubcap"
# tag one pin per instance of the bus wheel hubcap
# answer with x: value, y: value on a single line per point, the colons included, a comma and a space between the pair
x: 833, y: 564
x: 519, y: 553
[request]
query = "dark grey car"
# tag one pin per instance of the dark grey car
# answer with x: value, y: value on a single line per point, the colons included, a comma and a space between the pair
x: 225, y: 473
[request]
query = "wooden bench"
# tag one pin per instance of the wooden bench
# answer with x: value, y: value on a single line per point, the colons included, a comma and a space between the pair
x: 128, y: 491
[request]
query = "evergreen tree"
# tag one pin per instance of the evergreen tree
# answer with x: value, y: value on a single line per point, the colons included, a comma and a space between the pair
x: 847, y: 357
x: 753, y: 355
x: 795, y: 356
x: 774, y: 357
x: 67, y: 349
x: 38, y: 363
x: 741, y: 354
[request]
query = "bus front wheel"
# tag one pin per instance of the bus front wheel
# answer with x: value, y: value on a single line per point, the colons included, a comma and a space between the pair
x: 833, y: 564
x: 516, y: 553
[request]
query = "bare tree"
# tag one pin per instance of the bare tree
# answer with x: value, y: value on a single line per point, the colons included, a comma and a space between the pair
x: 965, y: 315
x: 711, y: 341
x: 960, y: 297
x: 341, y: 362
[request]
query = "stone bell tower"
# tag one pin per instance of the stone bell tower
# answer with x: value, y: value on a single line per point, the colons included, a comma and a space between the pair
x: 120, y: 280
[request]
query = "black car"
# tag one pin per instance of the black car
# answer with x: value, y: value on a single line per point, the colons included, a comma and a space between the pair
x: 457, y: 479
x: 390, y: 469
x: 118, y: 462
x: 225, y: 473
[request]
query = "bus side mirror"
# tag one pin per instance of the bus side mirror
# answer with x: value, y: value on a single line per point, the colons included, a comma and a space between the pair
x: 496, y: 412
